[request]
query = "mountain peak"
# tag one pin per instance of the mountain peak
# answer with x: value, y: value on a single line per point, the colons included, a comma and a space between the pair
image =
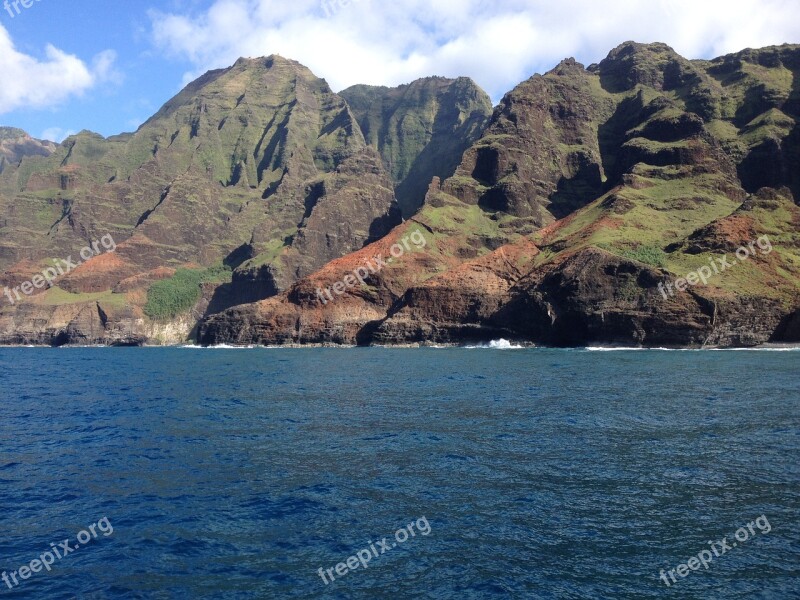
x: 16, y: 144
x: 654, y: 65
x: 632, y: 47
x: 267, y: 62
x: 7, y: 133
x: 567, y: 66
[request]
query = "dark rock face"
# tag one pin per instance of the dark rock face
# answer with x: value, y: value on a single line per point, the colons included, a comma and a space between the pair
x: 590, y: 191
x: 598, y: 298
x: 77, y: 324
x: 789, y: 330
x: 421, y: 129
x: 342, y: 213
x: 595, y: 297
x: 655, y: 66
x: 540, y: 157
x: 592, y: 298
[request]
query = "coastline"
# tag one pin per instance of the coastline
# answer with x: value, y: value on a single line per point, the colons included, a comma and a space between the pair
x: 491, y: 345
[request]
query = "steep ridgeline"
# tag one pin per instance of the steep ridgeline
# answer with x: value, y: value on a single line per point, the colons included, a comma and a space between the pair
x: 591, y: 192
x: 421, y: 129
x: 16, y: 144
x: 260, y: 168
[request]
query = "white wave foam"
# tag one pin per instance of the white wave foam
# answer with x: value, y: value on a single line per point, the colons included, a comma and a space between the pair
x: 219, y: 347
x: 617, y: 349
x: 501, y: 344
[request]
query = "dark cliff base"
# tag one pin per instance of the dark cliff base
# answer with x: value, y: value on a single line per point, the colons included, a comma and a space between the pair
x: 593, y: 298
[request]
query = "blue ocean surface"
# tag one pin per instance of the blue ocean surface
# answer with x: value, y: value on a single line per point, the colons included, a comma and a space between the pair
x: 535, y: 473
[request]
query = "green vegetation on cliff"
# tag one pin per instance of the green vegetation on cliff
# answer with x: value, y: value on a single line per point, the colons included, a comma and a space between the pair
x: 420, y: 129
x: 171, y: 297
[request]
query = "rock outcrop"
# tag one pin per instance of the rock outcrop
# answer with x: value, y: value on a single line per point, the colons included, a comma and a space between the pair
x: 421, y: 129
x: 568, y: 223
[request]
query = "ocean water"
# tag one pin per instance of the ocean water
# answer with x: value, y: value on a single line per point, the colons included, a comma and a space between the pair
x: 530, y: 473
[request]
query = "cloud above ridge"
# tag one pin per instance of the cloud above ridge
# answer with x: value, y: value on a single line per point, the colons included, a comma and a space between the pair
x: 29, y: 82
x: 497, y: 43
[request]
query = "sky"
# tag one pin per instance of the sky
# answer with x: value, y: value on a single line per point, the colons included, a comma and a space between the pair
x: 106, y: 66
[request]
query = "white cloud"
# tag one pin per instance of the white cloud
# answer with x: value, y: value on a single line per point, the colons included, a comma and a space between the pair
x: 103, y: 68
x: 30, y: 82
x: 496, y: 42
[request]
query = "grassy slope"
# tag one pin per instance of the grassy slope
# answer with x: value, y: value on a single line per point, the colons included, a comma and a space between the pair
x: 650, y: 215
x: 189, y: 183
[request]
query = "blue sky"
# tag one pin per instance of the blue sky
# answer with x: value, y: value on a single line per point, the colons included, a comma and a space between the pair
x: 103, y: 65
x: 139, y: 81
